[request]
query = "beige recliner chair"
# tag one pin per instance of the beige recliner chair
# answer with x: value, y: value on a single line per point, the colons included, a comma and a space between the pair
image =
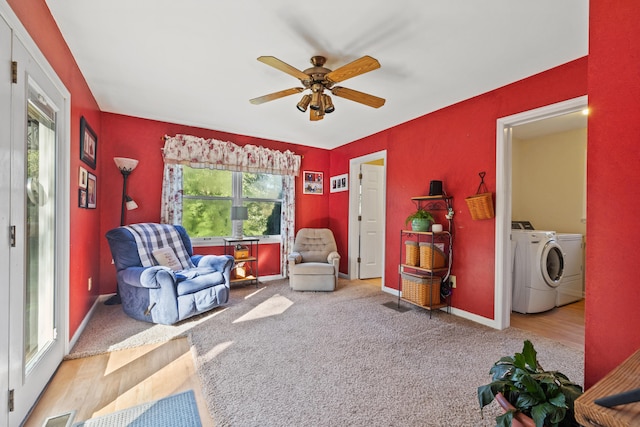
x: 313, y: 264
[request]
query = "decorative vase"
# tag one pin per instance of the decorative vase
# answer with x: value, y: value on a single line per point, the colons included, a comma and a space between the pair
x: 519, y: 419
x: 420, y: 224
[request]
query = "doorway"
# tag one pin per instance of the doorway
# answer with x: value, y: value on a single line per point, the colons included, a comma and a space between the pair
x: 504, y: 187
x: 367, y: 201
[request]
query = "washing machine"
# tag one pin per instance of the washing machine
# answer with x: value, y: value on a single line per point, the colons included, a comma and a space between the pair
x: 571, y: 287
x: 537, y: 269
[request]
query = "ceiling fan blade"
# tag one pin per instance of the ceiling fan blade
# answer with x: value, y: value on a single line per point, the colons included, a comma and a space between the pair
x: 361, y: 97
x: 276, y: 95
x: 315, y: 115
x: 282, y: 66
x: 352, y: 69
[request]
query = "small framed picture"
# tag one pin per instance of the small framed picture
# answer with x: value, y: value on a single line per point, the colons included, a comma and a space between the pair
x: 82, y: 198
x: 339, y: 183
x: 88, y: 144
x: 92, y: 191
x: 313, y: 182
x: 82, y: 178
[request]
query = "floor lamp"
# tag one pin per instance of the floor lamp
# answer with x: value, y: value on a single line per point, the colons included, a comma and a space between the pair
x: 126, y: 166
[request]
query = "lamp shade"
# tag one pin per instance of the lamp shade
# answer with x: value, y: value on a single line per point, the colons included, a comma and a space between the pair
x: 239, y: 213
x: 130, y: 203
x: 125, y: 164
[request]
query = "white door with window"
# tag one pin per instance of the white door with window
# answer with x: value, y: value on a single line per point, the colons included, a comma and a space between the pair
x: 33, y: 255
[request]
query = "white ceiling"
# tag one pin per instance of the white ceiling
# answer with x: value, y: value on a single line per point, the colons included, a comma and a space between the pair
x: 193, y: 62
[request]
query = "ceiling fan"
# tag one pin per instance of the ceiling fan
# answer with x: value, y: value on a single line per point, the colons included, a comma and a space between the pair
x: 318, y: 79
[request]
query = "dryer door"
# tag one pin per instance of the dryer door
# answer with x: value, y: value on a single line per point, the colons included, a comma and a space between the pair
x: 552, y: 263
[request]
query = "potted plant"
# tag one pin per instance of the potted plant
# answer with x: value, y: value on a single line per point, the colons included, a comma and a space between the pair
x: 420, y: 220
x: 545, y: 396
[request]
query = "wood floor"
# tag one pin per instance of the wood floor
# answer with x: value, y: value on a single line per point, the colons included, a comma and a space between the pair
x: 102, y: 384
x: 106, y: 383
x: 564, y: 324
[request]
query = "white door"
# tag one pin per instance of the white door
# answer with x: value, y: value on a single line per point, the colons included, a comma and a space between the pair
x: 5, y: 178
x: 371, y: 218
x: 35, y: 293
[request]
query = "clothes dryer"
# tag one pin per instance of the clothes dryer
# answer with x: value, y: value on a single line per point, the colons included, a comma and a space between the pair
x: 571, y: 287
x: 538, y: 267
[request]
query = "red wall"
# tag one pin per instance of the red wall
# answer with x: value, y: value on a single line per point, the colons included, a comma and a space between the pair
x: 125, y: 136
x: 85, y: 223
x: 452, y: 145
x: 612, y: 312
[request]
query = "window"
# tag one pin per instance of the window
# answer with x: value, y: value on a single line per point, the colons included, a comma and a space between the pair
x: 208, y: 195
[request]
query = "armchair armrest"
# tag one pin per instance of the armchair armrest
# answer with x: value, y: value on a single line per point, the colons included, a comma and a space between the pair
x: 216, y: 262
x: 295, y: 257
x: 334, y: 258
x: 146, y: 277
x: 222, y: 263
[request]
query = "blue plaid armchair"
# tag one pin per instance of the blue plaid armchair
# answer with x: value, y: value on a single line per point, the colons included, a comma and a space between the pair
x: 159, y: 278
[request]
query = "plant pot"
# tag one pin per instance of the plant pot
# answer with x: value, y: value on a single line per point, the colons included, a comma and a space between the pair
x: 519, y: 419
x: 420, y: 224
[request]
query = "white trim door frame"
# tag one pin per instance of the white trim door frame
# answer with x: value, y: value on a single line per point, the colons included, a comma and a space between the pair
x: 503, y: 285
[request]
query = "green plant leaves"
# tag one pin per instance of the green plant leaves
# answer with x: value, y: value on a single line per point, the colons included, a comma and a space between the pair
x: 505, y: 420
x: 530, y: 356
x: 546, y: 396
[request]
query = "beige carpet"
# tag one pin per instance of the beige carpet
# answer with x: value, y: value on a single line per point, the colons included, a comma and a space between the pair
x: 274, y: 357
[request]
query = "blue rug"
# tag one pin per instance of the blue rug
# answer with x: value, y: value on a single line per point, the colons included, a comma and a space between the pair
x: 177, y: 410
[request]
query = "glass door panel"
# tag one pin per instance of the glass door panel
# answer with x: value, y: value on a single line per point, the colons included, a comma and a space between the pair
x: 40, y: 226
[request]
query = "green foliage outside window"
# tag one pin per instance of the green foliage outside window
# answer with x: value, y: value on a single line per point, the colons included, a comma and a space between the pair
x: 208, y: 196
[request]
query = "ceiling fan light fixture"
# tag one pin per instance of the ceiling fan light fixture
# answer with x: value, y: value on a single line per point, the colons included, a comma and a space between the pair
x: 304, y: 103
x: 316, y: 101
x: 328, y: 104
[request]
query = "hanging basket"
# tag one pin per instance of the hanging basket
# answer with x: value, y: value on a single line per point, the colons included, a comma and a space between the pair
x: 481, y: 204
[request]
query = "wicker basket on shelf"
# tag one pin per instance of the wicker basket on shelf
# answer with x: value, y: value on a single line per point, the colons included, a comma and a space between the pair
x: 422, y: 290
x: 431, y: 256
x: 411, y: 253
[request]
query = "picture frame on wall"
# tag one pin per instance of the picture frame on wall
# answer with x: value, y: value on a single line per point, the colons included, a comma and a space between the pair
x: 339, y: 183
x: 83, y: 177
x: 82, y: 198
x: 88, y: 144
x: 92, y: 191
x: 313, y: 182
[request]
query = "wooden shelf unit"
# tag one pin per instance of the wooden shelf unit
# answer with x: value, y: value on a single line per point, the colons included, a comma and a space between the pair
x: 252, y: 244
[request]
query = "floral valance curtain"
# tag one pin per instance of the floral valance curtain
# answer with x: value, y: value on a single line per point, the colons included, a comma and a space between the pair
x: 211, y: 153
